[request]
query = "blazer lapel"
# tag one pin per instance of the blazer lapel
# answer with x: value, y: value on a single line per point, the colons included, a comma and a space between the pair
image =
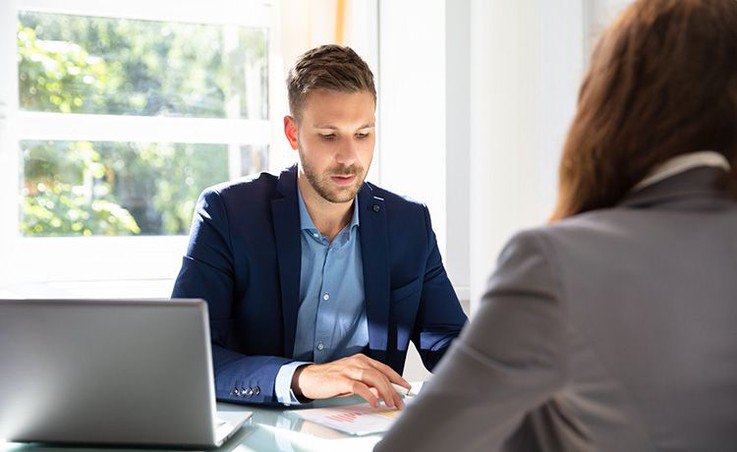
x: 374, y: 249
x: 285, y: 217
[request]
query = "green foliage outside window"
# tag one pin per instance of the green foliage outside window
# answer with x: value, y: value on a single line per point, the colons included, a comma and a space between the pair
x: 69, y: 64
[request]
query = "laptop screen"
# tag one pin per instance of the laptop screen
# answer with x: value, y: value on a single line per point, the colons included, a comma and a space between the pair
x: 106, y: 372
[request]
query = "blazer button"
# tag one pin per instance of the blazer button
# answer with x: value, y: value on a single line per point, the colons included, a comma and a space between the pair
x: 256, y: 390
x: 248, y: 392
x: 376, y: 208
x: 235, y: 392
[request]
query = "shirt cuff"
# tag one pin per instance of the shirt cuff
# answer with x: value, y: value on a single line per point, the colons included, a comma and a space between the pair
x: 283, y: 383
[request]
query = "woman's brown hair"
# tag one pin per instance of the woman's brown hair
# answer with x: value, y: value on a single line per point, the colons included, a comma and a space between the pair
x: 662, y: 82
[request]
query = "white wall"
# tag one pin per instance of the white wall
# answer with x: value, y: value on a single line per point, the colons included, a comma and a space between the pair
x: 475, y: 101
x: 411, y: 155
x: 412, y: 126
x: 458, y: 143
x: 424, y: 117
x: 526, y: 62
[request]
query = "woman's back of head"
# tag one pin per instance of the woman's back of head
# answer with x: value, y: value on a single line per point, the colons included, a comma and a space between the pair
x: 662, y: 82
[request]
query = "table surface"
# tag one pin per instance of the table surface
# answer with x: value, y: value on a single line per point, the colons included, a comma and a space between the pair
x: 268, y: 429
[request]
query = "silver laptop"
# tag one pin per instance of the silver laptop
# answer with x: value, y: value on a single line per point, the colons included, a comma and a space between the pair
x: 114, y: 372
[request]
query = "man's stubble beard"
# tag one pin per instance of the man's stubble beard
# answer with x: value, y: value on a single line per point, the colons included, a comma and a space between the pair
x: 321, y: 184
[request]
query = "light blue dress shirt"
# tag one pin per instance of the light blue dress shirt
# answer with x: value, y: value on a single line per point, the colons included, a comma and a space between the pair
x: 331, y: 322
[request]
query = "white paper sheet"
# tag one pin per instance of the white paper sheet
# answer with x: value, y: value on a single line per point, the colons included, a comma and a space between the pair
x: 359, y: 419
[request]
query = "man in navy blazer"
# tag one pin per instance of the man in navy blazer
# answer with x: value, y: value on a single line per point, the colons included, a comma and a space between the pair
x: 252, y: 251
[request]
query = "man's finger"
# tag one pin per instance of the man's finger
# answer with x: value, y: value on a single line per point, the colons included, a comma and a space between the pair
x: 363, y: 391
x: 375, y: 379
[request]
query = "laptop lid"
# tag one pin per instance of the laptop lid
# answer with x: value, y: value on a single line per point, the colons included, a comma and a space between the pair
x: 118, y: 372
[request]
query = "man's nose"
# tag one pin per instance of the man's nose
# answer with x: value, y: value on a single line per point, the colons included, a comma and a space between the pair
x: 347, y: 153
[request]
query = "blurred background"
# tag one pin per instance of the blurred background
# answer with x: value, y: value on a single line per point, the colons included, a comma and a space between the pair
x: 115, y: 115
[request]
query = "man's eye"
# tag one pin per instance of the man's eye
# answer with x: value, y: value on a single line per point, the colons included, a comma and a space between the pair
x: 328, y: 137
x: 362, y: 135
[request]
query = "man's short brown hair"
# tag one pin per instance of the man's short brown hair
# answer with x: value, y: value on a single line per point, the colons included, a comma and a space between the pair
x: 329, y: 67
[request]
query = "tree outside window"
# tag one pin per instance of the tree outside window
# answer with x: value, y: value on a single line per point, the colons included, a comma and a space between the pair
x: 79, y: 65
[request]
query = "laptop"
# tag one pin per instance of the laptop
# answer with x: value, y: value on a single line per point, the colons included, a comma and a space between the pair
x: 109, y: 372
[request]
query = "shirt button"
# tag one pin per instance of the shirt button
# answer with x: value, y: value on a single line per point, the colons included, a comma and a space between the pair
x: 320, y: 346
x: 315, y: 235
x: 326, y: 296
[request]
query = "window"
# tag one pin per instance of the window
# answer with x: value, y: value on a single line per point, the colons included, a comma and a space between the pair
x: 115, y: 118
x: 115, y: 115
x: 71, y: 67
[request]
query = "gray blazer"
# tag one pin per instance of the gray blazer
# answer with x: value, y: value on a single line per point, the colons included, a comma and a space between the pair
x: 614, y: 330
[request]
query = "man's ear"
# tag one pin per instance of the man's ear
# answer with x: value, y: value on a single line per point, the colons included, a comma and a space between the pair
x: 290, y: 130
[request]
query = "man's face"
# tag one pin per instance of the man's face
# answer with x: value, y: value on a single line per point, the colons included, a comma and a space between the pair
x: 335, y: 139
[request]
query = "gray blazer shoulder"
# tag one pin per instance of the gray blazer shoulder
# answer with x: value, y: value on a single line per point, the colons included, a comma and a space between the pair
x: 612, y: 330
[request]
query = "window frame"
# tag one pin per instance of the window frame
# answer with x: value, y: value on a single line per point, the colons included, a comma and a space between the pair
x: 48, y: 259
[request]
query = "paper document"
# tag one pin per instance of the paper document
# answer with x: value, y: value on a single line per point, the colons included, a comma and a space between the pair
x: 360, y: 419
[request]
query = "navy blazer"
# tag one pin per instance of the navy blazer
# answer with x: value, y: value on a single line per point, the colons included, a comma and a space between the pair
x: 244, y: 258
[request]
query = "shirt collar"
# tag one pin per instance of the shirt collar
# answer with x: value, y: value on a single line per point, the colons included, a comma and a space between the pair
x: 305, y: 221
x: 681, y: 163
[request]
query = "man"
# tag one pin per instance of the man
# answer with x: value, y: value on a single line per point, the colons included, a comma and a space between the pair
x: 316, y: 280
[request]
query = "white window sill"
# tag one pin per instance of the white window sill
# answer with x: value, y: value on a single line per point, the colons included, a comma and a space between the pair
x: 149, y: 288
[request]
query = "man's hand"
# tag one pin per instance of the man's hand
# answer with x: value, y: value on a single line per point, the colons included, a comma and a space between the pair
x: 357, y: 374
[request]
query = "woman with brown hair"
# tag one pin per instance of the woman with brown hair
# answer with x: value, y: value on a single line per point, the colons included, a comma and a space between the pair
x: 613, y: 328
